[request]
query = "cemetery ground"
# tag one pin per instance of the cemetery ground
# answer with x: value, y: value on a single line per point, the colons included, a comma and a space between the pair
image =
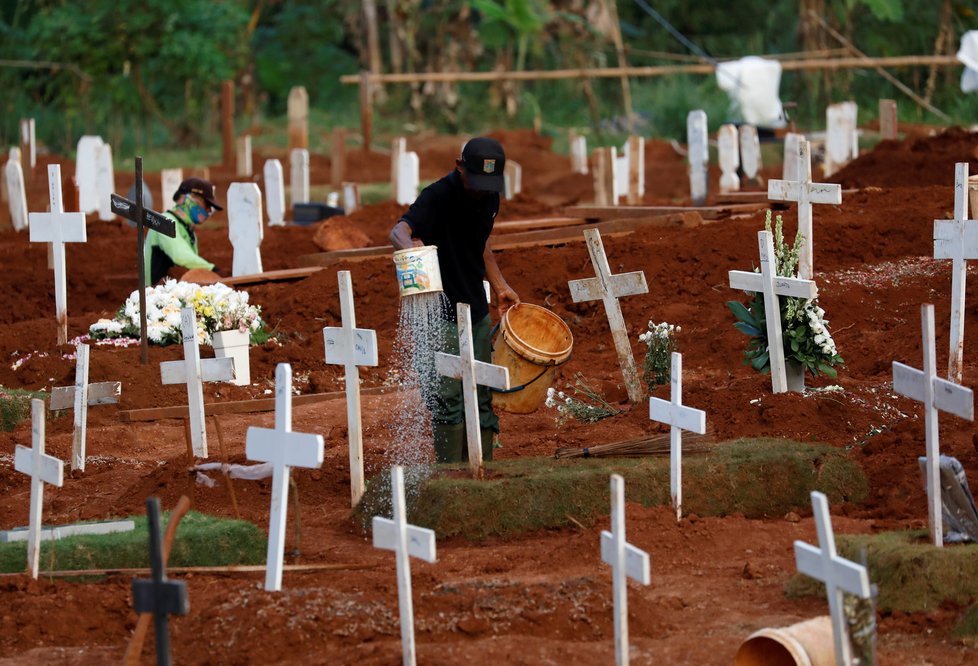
x: 541, y: 596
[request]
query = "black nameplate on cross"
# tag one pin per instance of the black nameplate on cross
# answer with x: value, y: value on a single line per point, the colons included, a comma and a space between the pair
x: 142, y: 217
x: 159, y: 596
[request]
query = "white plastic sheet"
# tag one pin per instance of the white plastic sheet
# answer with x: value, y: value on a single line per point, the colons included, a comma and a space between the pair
x: 753, y: 84
x: 968, y: 55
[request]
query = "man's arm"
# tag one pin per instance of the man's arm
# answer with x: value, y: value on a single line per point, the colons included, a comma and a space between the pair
x: 181, y: 252
x: 505, y: 296
x: 401, y: 236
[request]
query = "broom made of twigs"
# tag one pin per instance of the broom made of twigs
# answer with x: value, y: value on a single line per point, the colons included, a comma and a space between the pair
x: 652, y: 445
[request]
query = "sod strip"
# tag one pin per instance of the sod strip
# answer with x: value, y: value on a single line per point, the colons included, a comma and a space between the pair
x: 201, y: 540
x: 912, y: 575
x: 756, y: 478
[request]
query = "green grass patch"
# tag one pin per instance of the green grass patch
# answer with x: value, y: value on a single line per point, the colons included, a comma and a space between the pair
x: 202, y: 540
x: 756, y: 478
x: 15, y: 406
x: 967, y: 626
x: 912, y: 575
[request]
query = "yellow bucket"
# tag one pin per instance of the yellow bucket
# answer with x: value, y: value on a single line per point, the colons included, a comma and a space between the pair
x: 417, y: 270
x: 534, y: 342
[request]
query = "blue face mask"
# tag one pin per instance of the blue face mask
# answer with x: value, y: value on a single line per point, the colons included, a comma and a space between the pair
x: 194, y: 211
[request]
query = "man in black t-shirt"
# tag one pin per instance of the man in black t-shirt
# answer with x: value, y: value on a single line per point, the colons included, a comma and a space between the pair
x: 456, y: 214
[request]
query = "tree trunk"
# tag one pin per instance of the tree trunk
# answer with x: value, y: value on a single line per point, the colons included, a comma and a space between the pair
x: 373, y: 45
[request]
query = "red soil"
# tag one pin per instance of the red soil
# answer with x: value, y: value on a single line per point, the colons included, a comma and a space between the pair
x: 545, y: 597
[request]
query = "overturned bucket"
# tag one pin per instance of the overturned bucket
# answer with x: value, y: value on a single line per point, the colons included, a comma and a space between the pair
x: 417, y: 270
x: 807, y: 643
x: 532, y: 342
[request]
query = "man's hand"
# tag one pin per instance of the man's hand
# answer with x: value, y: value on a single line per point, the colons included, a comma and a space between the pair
x: 505, y: 299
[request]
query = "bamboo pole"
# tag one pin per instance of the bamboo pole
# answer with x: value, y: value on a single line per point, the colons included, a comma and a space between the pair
x: 657, y: 70
x: 626, y: 91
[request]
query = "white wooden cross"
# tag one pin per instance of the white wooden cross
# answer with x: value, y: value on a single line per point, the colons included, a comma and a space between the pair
x: 512, y: 179
x: 193, y: 371
x: 351, y: 198
x: 750, y: 152
x: 299, y: 175
x: 626, y: 562
x: 839, y: 575
x: 772, y: 286
x: 104, y: 181
x: 58, y: 227
x: 936, y: 394
x: 170, y: 180
x: 473, y: 373
x: 284, y: 449
x: 408, y: 178
x: 42, y: 469
x: 80, y: 396
x: 274, y: 193
x: 728, y: 152
x: 609, y: 288
x: 245, y: 228
x: 957, y: 240
x: 406, y: 541
x: 699, y: 155
x: 350, y: 346
x: 680, y: 417
x: 805, y: 193
x: 633, y: 186
x: 86, y: 172
x: 28, y: 139
x: 841, y: 136
x: 578, y: 150
x: 13, y: 177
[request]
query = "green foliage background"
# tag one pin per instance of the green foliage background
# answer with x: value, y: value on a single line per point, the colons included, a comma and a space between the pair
x: 146, y: 75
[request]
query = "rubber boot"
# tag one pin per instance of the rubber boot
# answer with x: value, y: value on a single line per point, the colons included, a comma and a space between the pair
x: 488, y: 435
x: 449, y: 442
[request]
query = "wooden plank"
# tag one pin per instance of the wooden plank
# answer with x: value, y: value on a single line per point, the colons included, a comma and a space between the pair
x: 706, y: 212
x: 232, y: 569
x: 542, y: 223
x: 558, y: 236
x: 239, y: 406
x: 284, y: 275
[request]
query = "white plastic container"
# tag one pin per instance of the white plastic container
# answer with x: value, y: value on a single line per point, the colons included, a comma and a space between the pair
x: 417, y: 270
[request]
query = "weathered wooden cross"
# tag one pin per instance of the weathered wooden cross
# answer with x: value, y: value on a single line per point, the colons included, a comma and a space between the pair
x: 839, y: 575
x: 728, y: 155
x: 680, y: 417
x: 406, y: 541
x: 609, y: 288
x: 957, y: 240
x: 80, y: 397
x: 13, y: 177
x: 699, y: 156
x: 284, y: 449
x: 160, y: 596
x: 626, y: 562
x: 143, y: 217
x: 936, y: 394
x: 350, y: 347
x: 193, y: 371
x: 42, y: 469
x: 805, y: 193
x: 299, y: 175
x: 58, y: 227
x: 473, y: 373
x: 772, y: 286
x: 750, y: 152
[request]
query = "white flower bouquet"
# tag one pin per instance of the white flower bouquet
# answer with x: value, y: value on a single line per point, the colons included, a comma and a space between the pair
x: 660, y: 342
x: 217, y: 308
x: 589, y: 407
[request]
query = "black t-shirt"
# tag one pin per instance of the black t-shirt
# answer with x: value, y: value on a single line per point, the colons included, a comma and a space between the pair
x: 444, y: 214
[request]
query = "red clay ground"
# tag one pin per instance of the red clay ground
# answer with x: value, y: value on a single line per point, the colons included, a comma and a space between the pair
x: 545, y: 598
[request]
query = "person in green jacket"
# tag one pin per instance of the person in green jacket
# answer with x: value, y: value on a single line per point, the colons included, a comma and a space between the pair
x: 195, y: 202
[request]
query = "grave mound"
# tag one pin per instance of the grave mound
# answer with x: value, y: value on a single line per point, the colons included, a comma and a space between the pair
x: 202, y: 540
x: 754, y: 477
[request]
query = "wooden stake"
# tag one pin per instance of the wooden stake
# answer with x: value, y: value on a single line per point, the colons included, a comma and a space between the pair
x: 366, y: 110
x: 227, y: 123
x: 225, y: 461
x: 338, y: 158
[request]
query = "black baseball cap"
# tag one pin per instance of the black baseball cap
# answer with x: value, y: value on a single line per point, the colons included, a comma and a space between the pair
x: 202, y: 188
x: 484, y: 161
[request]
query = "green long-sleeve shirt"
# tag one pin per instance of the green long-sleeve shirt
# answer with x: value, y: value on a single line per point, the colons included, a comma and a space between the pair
x: 161, y: 252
